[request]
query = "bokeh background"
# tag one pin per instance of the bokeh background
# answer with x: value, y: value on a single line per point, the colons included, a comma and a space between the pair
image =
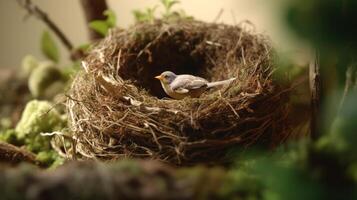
x: 20, y: 35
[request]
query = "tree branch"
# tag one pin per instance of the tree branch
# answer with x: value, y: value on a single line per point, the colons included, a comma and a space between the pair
x: 34, y: 10
x: 349, y: 84
x: 93, y: 10
x: 315, y: 89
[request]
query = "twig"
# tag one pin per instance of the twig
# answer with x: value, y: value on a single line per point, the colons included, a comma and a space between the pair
x: 350, y: 81
x: 315, y: 89
x: 218, y: 15
x: 34, y: 10
x: 234, y: 18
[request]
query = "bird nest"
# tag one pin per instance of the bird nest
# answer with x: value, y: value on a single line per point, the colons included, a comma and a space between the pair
x: 117, y: 109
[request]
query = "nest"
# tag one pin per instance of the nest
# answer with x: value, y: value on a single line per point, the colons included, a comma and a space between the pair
x: 118, y: 110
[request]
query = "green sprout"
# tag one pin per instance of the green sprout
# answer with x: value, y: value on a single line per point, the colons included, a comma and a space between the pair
x: 145, y: 16
x: 168, y: 4
x: 148, y: 15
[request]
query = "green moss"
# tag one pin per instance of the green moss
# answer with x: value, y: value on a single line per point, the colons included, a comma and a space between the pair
x: 10, y: 136
x: 50, y: 158
x: 38, y: 117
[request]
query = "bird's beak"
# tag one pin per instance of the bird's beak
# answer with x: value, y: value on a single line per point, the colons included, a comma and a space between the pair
x: 159, y: 77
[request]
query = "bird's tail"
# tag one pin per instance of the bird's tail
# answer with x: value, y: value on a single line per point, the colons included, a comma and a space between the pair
x: 219, y: 83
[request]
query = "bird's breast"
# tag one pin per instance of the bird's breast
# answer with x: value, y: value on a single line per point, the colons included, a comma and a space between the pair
x: 168, y: 90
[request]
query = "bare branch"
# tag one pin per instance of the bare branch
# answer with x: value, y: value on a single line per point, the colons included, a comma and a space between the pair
x: 315, y: 89
x: 349, y: 85
x: 34, y: 10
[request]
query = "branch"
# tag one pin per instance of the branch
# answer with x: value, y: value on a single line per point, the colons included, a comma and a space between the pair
x: 350, y: 83
x: 315, y: 89
x: 93, y: 10
x: 14, y: 155
x: 34, y: 10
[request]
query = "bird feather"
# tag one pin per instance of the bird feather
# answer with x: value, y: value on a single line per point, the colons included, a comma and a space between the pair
x: 218, y: 83
x: 187, y: 83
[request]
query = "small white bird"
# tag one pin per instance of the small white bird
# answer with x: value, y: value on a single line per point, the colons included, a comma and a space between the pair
x: 181, y: 86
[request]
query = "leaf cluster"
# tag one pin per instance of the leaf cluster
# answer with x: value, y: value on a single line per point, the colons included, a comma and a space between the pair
x: 149, y: 14
x: 102, y: 26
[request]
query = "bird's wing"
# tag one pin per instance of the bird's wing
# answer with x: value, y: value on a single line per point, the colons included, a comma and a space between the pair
x: 184, y: 83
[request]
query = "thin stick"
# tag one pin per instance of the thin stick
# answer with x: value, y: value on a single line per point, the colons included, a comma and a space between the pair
x: 350, y: 80
x: 33, y: 9
x: 315, y: 89
x: 218, y: 15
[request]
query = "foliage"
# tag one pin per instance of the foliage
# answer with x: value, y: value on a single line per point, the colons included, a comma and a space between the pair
x: 102, y: 26
x: 50, y: 158
x: 38, y: 117
x: 29, y: 63
x: 333, y: 18
x: 84, y: 47
x: 148, y: 15
x: 49, y: 47
x: 342, y: 136
x: 242, y: 183
x: 329, y: 26
x: 322, y: 169
x: 42, y: 77
x: 168, y: 4
x: 10, y: 136
x: 68, y: 72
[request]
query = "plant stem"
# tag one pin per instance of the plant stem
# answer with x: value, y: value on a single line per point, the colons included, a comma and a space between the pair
x: 350, y: 83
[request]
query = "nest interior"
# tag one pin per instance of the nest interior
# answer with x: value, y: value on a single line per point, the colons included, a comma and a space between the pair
x: 117, y: 109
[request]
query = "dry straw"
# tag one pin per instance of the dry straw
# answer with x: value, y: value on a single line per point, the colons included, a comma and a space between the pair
x: 118, y: 110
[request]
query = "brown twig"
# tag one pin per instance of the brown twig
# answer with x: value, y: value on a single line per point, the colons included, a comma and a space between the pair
x: 11, y: 154
x: 315, y: 89
x: 34, y: 10
x: 219, y: 15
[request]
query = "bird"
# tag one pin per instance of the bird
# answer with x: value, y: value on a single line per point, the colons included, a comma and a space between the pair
x: 186, y: 85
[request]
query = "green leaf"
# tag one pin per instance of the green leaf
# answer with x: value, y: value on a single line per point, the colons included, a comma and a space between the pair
x: 84, y: 47
x: 102, y: 26
x: 139, y: 15
x: 169, y: 3
x: 151, y: 13
x: 111, y: 18
x: 49, y: 47
x: 147, y: 15
x: 99, y: 26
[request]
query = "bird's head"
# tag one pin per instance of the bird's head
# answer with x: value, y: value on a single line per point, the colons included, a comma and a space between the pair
x: 166, y: 77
